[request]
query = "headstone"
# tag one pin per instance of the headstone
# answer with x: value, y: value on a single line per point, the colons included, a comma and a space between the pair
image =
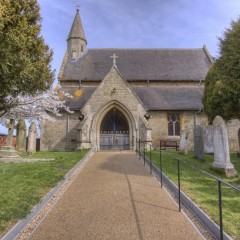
x: 21, y: 136
x: 10, y: 127
x: 208, y: 139
x: 198, y: 142
x: 238, y: 152
x: 8, y: 151
x: 183, y: 146
x: 221, y: 147
x: 32, y: 138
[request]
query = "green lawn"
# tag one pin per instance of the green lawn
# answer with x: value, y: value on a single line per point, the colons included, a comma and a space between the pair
x: 22, y: 185
x: 202, y: 189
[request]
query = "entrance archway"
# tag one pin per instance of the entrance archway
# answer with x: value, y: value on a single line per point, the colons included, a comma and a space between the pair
x: 114, y: 131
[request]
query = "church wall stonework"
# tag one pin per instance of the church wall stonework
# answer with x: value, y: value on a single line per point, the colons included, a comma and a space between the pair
x: 158, y: 123
x: 54, y: 134
x: 113, y: 91
x: 159, y: 126
x: 233, y: 127
x: 61, y: 134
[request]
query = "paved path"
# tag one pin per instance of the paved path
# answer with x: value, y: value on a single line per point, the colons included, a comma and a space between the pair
x: 114, y: 197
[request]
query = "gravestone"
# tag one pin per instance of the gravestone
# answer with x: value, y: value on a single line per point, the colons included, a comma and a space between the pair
x: 238, y: 152
x: 21, y: 136
x: 198, y: 142
x: 221, y: 147
x: 183, y: 146
x: 208, y: 139
x: 32, y: 138
x: 8, y: 151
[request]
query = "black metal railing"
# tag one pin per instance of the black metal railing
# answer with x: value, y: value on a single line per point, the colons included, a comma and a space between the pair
x: 144, y: 148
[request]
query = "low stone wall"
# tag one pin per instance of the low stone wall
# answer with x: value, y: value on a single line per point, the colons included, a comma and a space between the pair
x: 3, y: 139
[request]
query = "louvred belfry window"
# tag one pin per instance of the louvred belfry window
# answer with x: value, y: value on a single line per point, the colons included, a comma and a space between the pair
x: 173, y: 124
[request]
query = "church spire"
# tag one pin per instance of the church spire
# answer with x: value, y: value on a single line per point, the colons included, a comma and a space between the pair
x: 77, y: 43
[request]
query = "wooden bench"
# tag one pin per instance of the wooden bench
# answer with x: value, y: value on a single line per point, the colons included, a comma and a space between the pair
x: 168, y: 144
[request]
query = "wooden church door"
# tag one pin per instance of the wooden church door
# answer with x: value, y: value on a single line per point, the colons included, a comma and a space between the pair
x: 114, y: 131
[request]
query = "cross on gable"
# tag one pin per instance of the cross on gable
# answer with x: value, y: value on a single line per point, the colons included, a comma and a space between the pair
x: 114, y: 57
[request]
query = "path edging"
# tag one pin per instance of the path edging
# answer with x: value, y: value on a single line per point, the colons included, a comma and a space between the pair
x: 19, y: 227
x: 209, y: 224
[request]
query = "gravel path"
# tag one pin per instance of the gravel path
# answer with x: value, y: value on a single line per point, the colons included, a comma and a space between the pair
x: 114, y: 197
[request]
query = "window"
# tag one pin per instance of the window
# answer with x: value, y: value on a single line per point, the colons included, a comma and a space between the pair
x: 74, y: 54
x: 173, y: 124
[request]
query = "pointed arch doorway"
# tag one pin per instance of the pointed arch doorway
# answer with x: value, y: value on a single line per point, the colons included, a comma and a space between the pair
x: 114, y: 131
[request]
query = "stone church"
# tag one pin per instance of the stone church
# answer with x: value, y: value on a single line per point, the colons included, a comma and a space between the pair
x: 121, y: 94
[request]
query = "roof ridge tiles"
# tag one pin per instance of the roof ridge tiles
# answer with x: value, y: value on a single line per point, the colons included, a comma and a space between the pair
x: 145, y: 48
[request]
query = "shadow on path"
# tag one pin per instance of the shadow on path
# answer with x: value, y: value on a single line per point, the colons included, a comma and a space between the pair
x: 134, y: 209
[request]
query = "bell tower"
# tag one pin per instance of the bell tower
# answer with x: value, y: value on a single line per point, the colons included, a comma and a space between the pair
x: 76, y: 42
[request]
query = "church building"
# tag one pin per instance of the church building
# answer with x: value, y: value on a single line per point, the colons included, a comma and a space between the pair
x: 123, y: 94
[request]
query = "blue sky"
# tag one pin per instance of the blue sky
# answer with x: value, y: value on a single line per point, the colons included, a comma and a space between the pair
x: 138, y: 24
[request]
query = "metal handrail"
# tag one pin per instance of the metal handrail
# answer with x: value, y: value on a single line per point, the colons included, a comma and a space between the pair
x: 210, y: 175
x: 220, y: 180
x: 201, y: 170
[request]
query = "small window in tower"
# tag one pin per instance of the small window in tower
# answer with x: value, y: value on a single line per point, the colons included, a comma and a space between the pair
x: 81, y: 48
x: 74, y: 54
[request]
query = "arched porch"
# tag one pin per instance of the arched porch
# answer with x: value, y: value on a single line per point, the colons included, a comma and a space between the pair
x: 113, y: 128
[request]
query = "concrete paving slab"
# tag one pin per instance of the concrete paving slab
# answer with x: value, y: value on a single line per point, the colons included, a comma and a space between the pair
x: 114, y: 197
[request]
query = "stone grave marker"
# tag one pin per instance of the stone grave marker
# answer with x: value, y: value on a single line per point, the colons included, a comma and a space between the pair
x: 238, y: 152
x: 198, y: 142
x: 208, y: 139
x: 32, y: 138
x: 8, y: 151
x: 21, y: 136
x: 221, y: 147
x: 183, y: 146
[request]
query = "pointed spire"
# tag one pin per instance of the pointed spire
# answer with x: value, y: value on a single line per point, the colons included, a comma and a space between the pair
x: 77, y: 28
x: 77, y: 43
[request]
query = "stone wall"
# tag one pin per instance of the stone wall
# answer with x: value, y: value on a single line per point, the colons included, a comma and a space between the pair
x: 54, y: 134
x: 3, y: 140
x: 233, y: 127
x: 113, y: 91
x: 61, y: 134
x: 159, y: 126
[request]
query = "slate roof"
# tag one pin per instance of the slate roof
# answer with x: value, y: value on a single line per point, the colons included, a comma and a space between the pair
x: 170, y: 97
x: 76, y: 102
x: 139, y: 65
x: 153, y: 98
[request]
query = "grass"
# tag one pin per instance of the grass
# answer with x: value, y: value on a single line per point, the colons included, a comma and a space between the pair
x: 23, y: 185
x: 202, y: 189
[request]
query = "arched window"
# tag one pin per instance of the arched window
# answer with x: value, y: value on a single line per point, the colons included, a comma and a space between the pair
x: 173, y: 124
